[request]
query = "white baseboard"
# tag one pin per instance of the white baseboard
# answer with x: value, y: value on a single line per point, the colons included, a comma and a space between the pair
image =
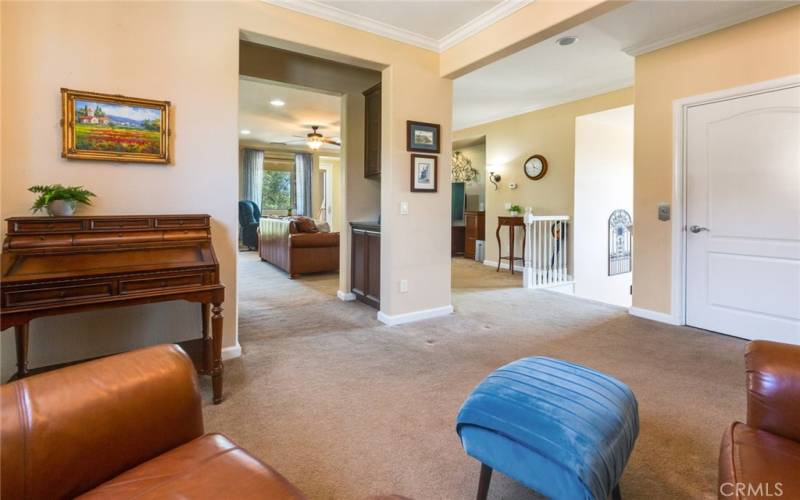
x: 346, y: 296
x: 503, y: 265
x: 399, y: 319
x: 653, y: 315
x: 231, y: 352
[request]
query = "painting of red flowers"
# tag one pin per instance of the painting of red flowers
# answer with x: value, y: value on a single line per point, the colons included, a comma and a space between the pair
x: 112, y: 127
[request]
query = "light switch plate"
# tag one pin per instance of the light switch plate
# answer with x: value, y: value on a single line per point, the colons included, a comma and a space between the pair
x: 403, y: 286
x: 663, y: 212
x: 403, y: 208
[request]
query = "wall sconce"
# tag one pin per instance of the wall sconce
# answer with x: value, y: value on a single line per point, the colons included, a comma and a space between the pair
x: 494, y: 179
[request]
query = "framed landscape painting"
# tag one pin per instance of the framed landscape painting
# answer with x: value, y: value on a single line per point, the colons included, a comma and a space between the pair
x: 422, y: 137
x: 114, y: 127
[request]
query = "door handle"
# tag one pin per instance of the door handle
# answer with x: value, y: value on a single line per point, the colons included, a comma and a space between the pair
x: 697, y: 229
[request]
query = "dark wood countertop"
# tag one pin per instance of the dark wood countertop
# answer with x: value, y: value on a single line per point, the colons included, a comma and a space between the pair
x: 366, y: 226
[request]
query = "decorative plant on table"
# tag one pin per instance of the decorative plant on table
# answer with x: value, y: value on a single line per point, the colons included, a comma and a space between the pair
x: 60, y: 200
x: 515, y: 210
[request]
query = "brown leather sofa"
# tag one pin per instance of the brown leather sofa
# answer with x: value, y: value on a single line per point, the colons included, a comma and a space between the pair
x: 761, y: 458
x: 283, y: 245
x: 125, y: 426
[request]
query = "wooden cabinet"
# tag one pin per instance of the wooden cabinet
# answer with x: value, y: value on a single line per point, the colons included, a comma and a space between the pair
x: 475, y: 230
x: 372, y: 131
x: 365, y: 271
x: 457, y: 240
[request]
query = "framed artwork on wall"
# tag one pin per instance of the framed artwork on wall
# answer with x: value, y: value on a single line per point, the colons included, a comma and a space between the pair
x: 424, y: 174
x: 422, y: 137
x: 114, y: 127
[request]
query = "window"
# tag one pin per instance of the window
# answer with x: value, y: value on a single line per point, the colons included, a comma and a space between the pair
x: 276, y: 193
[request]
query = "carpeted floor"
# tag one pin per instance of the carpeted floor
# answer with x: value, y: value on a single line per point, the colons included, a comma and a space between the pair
x: 346, y: 407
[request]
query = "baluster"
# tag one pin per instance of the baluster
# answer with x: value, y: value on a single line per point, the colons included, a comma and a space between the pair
x: 566, y: 251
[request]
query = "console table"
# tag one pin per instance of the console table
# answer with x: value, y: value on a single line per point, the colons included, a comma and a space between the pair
x: 511, y: 222
x: 61, y: 265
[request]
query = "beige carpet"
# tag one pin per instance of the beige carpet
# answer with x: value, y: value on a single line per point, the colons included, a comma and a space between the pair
x: 346, y: 407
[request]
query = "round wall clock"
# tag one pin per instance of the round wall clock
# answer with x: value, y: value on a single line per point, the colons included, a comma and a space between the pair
x: 535, y: 167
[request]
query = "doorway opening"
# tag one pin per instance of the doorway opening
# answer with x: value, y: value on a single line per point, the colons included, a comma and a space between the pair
x: 604, y: 206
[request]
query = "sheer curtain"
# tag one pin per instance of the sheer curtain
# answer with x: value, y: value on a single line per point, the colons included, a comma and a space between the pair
x: 303, y: 165
x: 251, y: 175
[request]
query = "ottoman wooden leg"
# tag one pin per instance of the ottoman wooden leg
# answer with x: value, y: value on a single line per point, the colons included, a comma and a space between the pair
x: 483, y: 482
x: 616, y: 495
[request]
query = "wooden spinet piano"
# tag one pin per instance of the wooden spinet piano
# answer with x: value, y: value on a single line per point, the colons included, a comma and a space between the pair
x: 60, y: 265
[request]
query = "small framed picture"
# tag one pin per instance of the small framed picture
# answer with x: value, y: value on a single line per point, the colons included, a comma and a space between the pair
x: 424, y: 174
x: 422, y: 137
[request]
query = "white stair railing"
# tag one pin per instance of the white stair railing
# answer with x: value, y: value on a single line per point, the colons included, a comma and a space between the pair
x: 547, y: 251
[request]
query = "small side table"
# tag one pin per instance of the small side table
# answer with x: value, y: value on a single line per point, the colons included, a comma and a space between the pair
x: 511, y: 222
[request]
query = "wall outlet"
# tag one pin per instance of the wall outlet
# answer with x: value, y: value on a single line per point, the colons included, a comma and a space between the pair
x: 663, y: 212
x: 403, y: 286
x: 403, y: 208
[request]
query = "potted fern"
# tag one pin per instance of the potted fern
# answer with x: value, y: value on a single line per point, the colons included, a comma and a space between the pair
x: 514, y: 210
x: 60, y: 200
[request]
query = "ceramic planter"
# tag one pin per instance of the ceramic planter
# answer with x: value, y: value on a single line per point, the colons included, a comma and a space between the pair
x: 61, y: 208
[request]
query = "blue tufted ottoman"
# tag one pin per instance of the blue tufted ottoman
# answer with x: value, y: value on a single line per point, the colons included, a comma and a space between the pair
x: 559, y: 428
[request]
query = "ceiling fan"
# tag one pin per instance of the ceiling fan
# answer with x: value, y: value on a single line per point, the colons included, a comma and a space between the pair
x: 315, y: 140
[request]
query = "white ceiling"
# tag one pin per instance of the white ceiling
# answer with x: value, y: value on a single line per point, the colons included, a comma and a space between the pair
x: 269, y: 124
x: 602, y: 60
x: 426, y: 18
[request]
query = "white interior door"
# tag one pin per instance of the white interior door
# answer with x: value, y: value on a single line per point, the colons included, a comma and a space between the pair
x: 743, y: 216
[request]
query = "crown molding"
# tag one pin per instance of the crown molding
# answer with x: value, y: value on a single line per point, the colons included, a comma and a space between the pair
x: 340, y: 16
x: 483, y: 21
x: 336, y: 15
x: 705, y: 28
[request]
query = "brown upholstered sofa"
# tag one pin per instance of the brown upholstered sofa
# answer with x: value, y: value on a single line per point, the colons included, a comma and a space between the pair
x: 283, y: 244
x: 761, y: 458
x: 125, y: 426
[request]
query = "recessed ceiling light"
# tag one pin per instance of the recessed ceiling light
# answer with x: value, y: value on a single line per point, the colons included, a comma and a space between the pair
x: 567, y: 40
x: 245, y: 132
x: 277, y: 103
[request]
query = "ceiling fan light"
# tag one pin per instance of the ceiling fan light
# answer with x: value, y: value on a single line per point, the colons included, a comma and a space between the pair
x: 314, y: 143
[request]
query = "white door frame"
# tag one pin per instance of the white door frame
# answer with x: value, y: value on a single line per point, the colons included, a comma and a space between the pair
x: 680, y: 108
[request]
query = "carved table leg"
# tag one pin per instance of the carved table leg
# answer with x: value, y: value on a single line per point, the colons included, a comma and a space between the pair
x: 216, y: 332
x: 511, y: 248
x: 499, y: 247
x: 21, y: 334
x: 208, y: 346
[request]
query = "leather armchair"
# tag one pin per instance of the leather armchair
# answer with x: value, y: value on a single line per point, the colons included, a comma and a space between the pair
x: 761, y: 458
x: 124, y: 426
x: 249, y: 215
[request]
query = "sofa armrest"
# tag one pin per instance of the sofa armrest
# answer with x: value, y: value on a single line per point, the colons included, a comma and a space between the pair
x: 313, y: 240
x: 66, y: 431
x: 773, y: 387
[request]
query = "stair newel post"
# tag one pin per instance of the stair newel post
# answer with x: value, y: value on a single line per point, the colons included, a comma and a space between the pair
x: 527, y: 271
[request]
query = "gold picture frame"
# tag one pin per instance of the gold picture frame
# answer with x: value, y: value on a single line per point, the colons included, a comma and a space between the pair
x: 114, y: 127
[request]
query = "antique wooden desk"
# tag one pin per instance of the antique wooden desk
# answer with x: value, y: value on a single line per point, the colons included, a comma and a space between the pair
x: 511, y: 222
x: 60, y: 265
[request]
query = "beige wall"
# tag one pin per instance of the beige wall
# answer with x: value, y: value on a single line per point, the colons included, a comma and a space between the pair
x: 549, y: 132
x: 188, y: 53
x: 762, y: 49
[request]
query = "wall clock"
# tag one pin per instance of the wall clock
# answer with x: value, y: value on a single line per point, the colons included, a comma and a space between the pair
x: 535, y: 167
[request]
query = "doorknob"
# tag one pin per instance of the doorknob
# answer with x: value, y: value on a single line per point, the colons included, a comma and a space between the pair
x: 697, y: 229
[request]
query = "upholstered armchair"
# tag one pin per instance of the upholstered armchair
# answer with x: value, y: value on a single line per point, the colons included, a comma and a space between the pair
x: 761, y: 457
x: 249, y: 215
